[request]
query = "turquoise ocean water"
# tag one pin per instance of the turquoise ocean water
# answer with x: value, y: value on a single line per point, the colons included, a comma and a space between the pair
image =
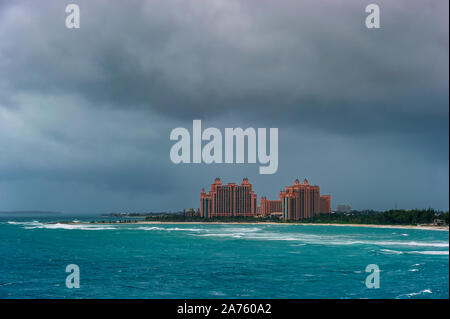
x: 220, y: 261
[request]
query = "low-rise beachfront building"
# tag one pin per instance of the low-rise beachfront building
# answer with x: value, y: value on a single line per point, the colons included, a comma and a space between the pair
x: 325, y: 204
x: 270, y: 207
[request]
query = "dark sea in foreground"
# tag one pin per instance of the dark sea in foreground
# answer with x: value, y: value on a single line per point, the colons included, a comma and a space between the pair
x: 219, y: 261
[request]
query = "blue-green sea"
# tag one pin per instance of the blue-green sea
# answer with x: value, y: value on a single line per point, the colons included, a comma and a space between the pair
x: 219, y: 261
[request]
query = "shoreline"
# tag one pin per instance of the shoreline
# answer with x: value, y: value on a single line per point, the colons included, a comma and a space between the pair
x: 439, y: 228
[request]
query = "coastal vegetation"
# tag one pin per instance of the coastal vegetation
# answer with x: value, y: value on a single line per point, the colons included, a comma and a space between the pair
x: 390, y: 217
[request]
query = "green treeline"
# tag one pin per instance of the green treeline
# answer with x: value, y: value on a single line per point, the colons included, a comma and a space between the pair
x: 390, y: 217
x: 179, y: 217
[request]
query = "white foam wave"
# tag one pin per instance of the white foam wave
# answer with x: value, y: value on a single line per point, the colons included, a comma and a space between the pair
x: 73, y: 227
x: 34, y: 222
x: 37, y: 225
x: 241, y: 229
x: 231, y: 235
x: 425, y: 291
x: 184, y: 229
x: 394, y: 252
x: 148, y: 228
x: 169, y: 229
x: 409, y: 243
x: 431, y: 252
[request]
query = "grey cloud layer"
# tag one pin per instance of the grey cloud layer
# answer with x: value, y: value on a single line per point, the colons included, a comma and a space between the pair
x: 190, y: 57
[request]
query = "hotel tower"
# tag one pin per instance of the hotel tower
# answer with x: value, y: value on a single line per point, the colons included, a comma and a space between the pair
x: 301, y: 201
x: 228, y: 200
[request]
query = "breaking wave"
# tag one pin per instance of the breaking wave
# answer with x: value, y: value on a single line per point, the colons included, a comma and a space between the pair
x: 38, y: 225
x: 168, y: 229
x: 410, y: 243
x: 420, y: 293
x: 391, y: 252
x: 431, y: 252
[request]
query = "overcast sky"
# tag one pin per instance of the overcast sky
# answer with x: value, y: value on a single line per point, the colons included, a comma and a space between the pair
x: 86, y: 114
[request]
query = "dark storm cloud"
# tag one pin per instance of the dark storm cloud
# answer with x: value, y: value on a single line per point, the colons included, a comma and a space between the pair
x: 96, y: 105
x: 62, y: 139
x: 185, y: 58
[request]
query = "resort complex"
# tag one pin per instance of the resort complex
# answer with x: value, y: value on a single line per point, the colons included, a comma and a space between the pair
x: 295, y: 202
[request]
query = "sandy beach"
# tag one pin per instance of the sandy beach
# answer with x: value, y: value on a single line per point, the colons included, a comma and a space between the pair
x: 424, y: 227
